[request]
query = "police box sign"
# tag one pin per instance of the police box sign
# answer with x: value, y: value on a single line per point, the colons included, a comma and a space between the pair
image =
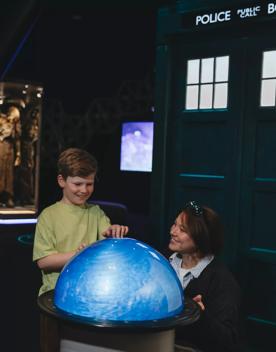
x: 239, y: 14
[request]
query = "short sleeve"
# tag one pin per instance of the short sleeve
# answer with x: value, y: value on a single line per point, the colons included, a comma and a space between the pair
x: 44, y: 241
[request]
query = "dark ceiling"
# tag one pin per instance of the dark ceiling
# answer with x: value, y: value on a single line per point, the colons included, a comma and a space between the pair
x: 71, y: 46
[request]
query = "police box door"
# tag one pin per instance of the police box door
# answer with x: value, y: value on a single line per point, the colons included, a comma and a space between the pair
x: 221, y: 151
x: 205, y: 130
x: 257, y: 245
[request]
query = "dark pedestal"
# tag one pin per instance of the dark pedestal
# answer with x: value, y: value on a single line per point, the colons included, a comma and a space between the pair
x: 63, y: 332
x: 21, y: 280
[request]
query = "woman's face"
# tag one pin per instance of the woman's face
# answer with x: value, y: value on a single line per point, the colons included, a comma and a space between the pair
x: 181, y: 241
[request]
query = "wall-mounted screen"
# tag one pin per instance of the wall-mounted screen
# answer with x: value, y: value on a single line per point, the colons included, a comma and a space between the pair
x: 136, y: 146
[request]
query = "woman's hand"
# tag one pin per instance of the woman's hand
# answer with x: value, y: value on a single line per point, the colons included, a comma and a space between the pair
x: 198, y: 300
x: 115, y: 231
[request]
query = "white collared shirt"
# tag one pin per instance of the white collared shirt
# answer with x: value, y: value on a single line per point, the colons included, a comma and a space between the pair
x: 186, y: 275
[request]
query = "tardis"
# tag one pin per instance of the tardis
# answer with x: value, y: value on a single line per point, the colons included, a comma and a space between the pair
x: 215, y: 137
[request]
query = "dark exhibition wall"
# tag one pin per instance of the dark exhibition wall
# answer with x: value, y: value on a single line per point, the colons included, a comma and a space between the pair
x: 96, y: 65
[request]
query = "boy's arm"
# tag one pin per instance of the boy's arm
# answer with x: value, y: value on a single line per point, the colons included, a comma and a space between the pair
x: 54, y: 262
x: 44, y: 250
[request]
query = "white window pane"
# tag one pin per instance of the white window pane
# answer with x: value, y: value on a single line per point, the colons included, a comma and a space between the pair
x: 206, y: 96
x: 193, y: 71
x: 207, y: 70
x: 222, y: 69
x: 268, y: 91
x: 192, y: 97
x: 221, y: 94
x: 269, y: 64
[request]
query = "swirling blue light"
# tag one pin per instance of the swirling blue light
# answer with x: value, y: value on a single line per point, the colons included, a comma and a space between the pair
x: 119, y: 280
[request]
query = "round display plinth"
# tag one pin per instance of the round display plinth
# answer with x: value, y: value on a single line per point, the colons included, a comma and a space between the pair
x: 87, y: 335
x: 189, y: 315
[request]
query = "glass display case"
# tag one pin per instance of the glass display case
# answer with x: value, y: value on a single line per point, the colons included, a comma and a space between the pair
x: 20, y: 121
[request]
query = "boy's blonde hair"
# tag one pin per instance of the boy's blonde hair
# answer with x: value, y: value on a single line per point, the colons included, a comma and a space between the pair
x: 76, y: 162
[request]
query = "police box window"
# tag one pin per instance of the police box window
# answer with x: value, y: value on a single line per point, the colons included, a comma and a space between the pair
x: 268, y: 80
x: 207, y: 83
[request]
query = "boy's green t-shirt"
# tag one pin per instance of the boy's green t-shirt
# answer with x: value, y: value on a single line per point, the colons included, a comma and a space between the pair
x: 62, y: 228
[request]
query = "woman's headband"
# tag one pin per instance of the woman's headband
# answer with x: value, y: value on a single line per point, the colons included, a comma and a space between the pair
x: 194, y: 207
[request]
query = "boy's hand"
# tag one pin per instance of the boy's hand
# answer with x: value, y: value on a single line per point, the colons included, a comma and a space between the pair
x: 116, y: 231
x: 81, y: 246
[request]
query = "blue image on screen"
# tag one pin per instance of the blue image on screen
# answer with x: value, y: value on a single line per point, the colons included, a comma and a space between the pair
x: 136, y: 146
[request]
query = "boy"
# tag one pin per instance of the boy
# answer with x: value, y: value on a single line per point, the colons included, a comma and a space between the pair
x: 67, y: 226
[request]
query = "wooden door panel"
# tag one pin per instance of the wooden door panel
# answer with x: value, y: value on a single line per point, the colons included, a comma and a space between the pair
x: 262, y: 234
x: 258, y: 202
x: 204, y: 149
x: 265, y: 155
x: 262, y: 303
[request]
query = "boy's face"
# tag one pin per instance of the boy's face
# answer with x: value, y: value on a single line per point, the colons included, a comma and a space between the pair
x: 76, y: 190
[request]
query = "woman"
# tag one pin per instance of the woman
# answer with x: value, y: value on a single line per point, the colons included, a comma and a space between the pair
x: 196, y: 240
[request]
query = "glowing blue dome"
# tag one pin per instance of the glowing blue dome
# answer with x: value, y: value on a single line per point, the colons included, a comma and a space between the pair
x: 119, y: 280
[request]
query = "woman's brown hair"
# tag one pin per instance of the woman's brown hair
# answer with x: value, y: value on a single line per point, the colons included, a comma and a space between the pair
x: 204, y: 227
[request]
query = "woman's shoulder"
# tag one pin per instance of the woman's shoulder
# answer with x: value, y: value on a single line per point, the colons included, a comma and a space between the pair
x: 221, y: 275
x: 219, y: 267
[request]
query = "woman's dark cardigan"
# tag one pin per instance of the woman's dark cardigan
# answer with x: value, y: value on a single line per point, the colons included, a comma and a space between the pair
x: 218, y: 327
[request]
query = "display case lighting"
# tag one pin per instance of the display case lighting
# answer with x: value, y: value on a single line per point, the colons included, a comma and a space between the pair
x: 17, y: 221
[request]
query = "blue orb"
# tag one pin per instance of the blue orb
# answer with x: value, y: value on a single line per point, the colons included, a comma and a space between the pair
x: 119, y: 280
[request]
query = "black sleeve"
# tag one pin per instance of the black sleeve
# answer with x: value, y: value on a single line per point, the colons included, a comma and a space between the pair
x: 220, y: 321
x: 217, y: 328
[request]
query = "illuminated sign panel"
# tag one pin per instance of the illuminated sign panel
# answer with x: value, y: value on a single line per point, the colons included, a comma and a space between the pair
x: 227, y: 16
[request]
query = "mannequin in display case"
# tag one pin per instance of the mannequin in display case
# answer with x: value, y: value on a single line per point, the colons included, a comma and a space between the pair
x: 30, y: 134
x: 10, y: 153
x: 20, y: 121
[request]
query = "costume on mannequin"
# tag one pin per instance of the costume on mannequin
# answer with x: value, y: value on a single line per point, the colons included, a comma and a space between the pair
x: 30, y: 131
x: 10, y: 155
